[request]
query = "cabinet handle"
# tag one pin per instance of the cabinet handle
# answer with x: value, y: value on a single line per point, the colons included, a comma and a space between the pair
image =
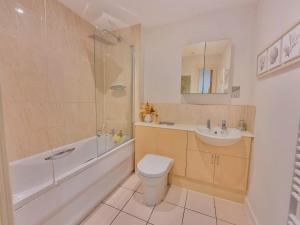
x: 213, y: 158
x: 217, y: 159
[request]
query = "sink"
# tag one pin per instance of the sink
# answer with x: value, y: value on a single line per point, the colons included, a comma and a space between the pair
x: 218, y: 137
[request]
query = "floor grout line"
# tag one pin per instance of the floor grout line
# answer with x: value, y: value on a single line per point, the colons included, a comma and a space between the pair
x: 127, y: 188
x: 134, y: 216
x: 115, y: 218
x: 215, y: 211
x: 171, y: 203
x: 184, y: 208
x: 201, y: 213
x: 151, y: 214
x: 120, y: 210
x: 217, y: 216
x: 103, y: 203
x: 90, y: 214
x: 214, y: 217
x: 226, y: 221
x: 147, y: 221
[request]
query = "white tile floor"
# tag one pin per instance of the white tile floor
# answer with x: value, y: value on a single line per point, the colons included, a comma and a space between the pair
x: 180, y: 207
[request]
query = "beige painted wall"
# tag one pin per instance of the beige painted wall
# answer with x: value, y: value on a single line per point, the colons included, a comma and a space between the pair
x: 162, y: 48
x: 278, y: 111
x: 46, y: 74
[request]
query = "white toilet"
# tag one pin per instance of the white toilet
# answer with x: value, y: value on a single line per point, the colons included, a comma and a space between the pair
x: 153, y: 171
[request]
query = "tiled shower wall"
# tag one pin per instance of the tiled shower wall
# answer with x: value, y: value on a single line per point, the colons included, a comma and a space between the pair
x: 199, y: 114
x: 46, y: 75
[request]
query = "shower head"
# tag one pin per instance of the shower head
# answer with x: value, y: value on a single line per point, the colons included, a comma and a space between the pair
x: 106, y: 37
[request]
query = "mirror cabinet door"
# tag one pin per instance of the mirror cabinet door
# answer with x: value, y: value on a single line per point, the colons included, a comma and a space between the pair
x: 206, y: 68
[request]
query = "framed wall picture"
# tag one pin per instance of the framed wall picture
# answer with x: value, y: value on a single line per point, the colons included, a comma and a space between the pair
x: 291, y: 44
x: 281, y: 54
x: 262, y: 63
x: 274, y: 55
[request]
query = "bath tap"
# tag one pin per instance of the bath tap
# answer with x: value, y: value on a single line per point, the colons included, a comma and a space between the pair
x: 103, y: 129
x: 208, y: 124
x: 224, y: 126
x: 113, y: 132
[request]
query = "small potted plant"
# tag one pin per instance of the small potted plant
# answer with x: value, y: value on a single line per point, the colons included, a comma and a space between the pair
x: 147, y: 113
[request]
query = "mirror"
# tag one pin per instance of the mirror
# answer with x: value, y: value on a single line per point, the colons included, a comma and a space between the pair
x: 206, y: 68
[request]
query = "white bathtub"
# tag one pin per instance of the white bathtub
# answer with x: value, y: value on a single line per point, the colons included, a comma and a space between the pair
x: 63, y: 191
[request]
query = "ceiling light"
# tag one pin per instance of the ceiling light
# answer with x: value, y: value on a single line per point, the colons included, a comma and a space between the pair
x: 19, y: 10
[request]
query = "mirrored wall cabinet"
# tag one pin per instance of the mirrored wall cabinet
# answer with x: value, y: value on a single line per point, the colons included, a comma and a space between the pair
x: 206, y: 69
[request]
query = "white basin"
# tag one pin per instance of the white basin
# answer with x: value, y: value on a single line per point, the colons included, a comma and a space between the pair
x: 219, y: 137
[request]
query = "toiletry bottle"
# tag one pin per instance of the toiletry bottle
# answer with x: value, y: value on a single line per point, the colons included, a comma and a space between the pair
x: 242, y: 125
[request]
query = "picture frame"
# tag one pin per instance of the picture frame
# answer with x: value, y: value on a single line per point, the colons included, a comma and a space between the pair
x: 291, y: 45
x: 275, y: 55
x: 281, y: 54
x: 262, y: 63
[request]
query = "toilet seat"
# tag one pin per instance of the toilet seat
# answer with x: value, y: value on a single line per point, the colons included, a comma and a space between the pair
x: 153, y: 166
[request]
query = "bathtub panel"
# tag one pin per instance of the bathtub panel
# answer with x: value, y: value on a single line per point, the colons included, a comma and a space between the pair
x: 25, y: 181
x: 73, y: 192
x: 92, y: 197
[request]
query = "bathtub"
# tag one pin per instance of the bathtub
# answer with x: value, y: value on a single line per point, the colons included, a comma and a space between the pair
x: 61, y: 186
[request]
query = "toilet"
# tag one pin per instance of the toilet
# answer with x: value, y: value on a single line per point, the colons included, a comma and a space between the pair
x: 153, y: 171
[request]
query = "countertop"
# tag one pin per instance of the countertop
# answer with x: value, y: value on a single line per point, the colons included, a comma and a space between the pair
x: 187, y: 127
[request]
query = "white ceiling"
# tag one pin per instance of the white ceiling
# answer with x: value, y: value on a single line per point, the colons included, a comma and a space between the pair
x: 147, y: 12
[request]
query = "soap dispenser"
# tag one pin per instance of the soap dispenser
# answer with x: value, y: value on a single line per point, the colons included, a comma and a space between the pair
x: 242, y: 125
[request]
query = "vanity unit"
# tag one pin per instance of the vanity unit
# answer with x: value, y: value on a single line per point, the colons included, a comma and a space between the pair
x: 217, y: 170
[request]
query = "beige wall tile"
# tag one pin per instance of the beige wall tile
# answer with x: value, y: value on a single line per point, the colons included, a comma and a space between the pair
x: 250, y: 118
x: 16, y: 129
x: 7, y: 18
x: 46, y: 75
x: 48, y: 79
x: 55, y: 114
x: 57, y: 136
x: 39, y: 142
x: 36, y: 115
x: 199, y: 114
x: 237, y: 113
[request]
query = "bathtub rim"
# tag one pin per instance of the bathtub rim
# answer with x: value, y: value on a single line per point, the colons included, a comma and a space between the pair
x: 61, y: 179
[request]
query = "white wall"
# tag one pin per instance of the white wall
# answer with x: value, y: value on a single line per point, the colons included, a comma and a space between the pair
x: 278, y: 107
x: 163, y: 45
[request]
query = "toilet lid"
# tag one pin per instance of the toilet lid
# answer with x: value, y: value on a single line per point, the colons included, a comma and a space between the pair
x: 154, y: 165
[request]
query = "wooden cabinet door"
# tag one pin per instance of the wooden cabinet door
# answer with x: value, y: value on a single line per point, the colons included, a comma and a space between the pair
x: 231, y: 172
x: 172, y: 143
x: 145, y: 142
x: 200, y: 166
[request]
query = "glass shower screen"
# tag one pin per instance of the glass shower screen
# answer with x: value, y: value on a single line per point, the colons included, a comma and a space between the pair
x: 114, y: 65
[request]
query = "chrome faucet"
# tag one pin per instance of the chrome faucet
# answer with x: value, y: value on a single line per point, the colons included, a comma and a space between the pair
x: 224, y: 126
x: 113, y: 132
x: 208, y: 125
